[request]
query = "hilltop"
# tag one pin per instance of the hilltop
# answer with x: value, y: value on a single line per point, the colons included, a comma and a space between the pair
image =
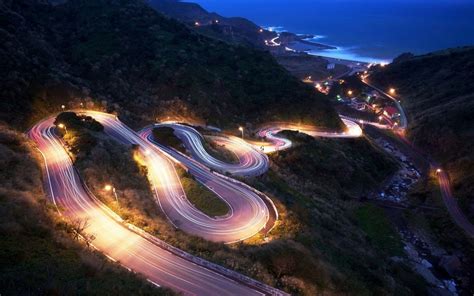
x: 126, y: 57
x: 438, y: 95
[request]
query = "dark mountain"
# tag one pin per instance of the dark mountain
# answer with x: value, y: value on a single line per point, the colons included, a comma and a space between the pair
x: 234, y: 29
x: 125, y: 56
x: 438, y: 94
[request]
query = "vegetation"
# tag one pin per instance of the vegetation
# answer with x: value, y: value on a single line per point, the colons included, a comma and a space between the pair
x: 435, y: 225
x: 347, y: 256
x: 165, y: 136
x: 379, y: 230
x: 125, y: 56
x: 219, y: 151
x: 201, y: 197
x: 38, y: 252
x: 344, y: 168
x: 440, y: 107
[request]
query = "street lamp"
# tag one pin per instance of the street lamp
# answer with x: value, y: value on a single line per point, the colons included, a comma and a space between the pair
x: 242, y: 130
x: 392, y: 91
x: 438, y: 171
x: 350, y: 92
x: 109, y: 187
x: 62, y: 126
x: 63, y: 107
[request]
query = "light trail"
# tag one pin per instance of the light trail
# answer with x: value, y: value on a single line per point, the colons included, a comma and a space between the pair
x: 158, y: 262
x: 249, y: 212
x: 270, y: 131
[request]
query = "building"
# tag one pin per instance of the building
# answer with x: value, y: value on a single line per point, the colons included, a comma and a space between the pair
x: 391, y: 112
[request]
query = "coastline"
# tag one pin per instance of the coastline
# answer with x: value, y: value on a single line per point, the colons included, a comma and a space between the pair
x: 303, y: 43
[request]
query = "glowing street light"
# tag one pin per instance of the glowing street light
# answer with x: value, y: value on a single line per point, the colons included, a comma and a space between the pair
x: 196, y: 24
x: 63, y: 107
x: 242, y: 130
x: 438, y: 171
x: 62, y: 126
x: 392, y: 91
x: 260, y: 31
x: 350, y: 92
x: 109, y: 188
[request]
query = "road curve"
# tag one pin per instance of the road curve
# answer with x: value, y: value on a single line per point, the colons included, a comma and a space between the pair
x: 251, y: 161
x: 113, y: 238
x: 269, y: 132
x: 452, y: 205
x: 249, y: 212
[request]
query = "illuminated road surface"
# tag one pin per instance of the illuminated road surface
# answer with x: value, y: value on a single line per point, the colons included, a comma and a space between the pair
x: 452, y: 205
x: 113, y: 238
x: 248, y: 211
x: 251, y: 161
x: 269, y: 132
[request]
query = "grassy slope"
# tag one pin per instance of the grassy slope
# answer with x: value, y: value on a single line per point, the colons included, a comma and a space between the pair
x: 348, y: 256
x: 201, y: 197
x: 125, y: 52
x: 37, y: 252
x: 439, y: 99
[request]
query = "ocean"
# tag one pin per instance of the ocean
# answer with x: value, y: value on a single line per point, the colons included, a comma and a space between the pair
x: 370, y: 30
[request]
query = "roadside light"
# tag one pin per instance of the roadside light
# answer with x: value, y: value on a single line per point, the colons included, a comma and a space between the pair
x: 438, y: 171
x: 350, y: 92
x: 196, y: 24
x: 261, y: 30
x: 62, y: 126
x: 242, y: 130
x: 392, y: 91
x: 63, y: 107
x: 380, y: 118
x: 108, y: 187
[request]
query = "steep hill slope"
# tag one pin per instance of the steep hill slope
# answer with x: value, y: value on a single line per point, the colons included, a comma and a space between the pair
x: 438, y: 94
x: 231, y: 29
x: 128, y: 57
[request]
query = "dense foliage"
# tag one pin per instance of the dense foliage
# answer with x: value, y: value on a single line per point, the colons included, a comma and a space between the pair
x: 124, y: 55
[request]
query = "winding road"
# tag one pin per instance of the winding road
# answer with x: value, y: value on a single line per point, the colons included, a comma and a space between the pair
x: 134, y: 250
x: 162, y: 264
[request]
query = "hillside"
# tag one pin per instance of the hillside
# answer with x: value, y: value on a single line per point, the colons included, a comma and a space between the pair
x: 39, y: 254
x: 231, y: 29
x: 438, y: 95
x: 126, y: 57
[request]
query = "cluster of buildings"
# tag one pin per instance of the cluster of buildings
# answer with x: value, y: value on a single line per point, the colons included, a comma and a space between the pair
x: 375, y: 103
